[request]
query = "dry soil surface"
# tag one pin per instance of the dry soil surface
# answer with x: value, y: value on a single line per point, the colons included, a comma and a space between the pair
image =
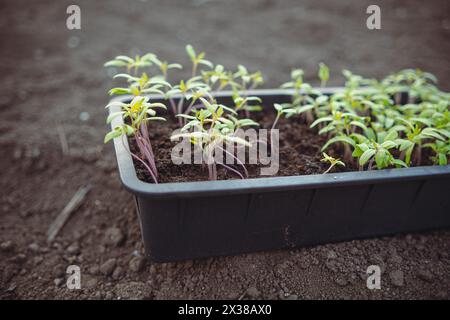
x: 52, y: 82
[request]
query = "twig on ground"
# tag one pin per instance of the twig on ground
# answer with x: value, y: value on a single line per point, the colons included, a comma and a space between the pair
x: 65, y: 214
x: 63, y: 140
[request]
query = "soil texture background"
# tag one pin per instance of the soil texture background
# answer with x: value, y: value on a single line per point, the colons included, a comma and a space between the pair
x: 52, y: 84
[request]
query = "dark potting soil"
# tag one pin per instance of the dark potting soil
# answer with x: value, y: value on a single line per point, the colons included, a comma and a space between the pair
x: 300, y: 152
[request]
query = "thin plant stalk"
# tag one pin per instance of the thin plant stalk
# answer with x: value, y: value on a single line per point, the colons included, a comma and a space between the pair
x: 146, y: 146
x: 237, y: 160
x: 233, y: 170
x: 276, y: 120
x: 146, y: 166
x: 329, y: 169
x: 173, y: 106
x: 133, y: 155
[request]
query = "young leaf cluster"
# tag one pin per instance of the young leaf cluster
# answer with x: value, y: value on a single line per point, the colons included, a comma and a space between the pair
x: 188, y: 99
x: 387, y: 123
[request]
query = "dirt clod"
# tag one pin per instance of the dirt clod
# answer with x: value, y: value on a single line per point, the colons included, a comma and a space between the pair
x: 136, y: 264
x: 331, y: 254
x: 117, y: 274
x: 73, y: 249
x: 108, y: 267
x: 58, y: 281
x: 425, y: 275
x: 253, y: 292
x: 114, y: 236
x: 397, y: 278
x: 7, y: 246
x: 34, y: 247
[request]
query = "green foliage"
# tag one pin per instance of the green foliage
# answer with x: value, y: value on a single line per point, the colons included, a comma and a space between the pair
x: 368, y: 119
x: 197, y: 59
x: 282, y: 109
x: 209, y: 128
x: 140, y: 85
x: 191, y: 101
x: 306, y: 101
x: 441, y: 151
x: 131, y: 64
x: 324, y: 74
x: 138, y: 111
x: 378, y: 151
x: 378, y: 124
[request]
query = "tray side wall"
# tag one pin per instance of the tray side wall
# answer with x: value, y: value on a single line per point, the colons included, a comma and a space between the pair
x: 201, y: 219
x: 179, y: 229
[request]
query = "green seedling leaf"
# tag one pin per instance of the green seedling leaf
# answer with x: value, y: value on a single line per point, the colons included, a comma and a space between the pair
x: 320, y: 120
x: 117, y: 132
x: 119, y: 91
x: 191, y: 52
x: 156, y: 119
x: 389, y: 145
x: 399, y: 163
x: 126, y: 76
x: 442, y: 159
x: 324, y: 74
x: 342, y: 139
x: 366, y: 156
x: 278, y: 107
x: 115, y: 63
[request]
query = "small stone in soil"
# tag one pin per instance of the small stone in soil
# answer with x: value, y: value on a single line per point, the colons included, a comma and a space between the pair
x: 331, y: 265
x: 109, y: 295
x: 117, y: 274
x: 152, y: 270
x: 376, y: 259
x: 420, y: 247
x: 136, y: 264
x: 7, y: 246
x: 108, y: 267
x: 34, y: 247
x: 94, y: 270
x: 397, y: 278
x: 331, y: 254
x: 58, y: 281
x: 59, y: 271
x: 425, y: 275
x: 253, y: 292
x: 114, y: 236
x: 442, y: 255
x: 73, y: 249
x: 12, y: 288
x: 89, y: 282
x: 20, y: 258
x: 395, y: 259
x: 341, y: 282
x: 37, y: 260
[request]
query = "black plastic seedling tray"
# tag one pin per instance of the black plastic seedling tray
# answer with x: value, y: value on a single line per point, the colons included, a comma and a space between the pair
x: 201, y: 219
